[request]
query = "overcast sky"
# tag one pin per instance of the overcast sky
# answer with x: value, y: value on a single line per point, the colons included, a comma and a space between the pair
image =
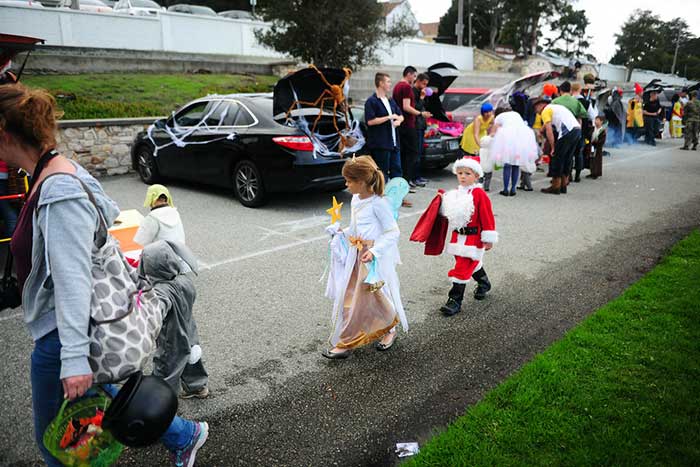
x: 606, y: 17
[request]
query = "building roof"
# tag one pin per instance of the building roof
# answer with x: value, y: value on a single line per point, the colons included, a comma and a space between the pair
x: 389, y: 7
x: 429, y: 29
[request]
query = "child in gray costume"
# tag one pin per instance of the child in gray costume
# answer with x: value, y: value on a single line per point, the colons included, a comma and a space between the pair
x: 177, y: 359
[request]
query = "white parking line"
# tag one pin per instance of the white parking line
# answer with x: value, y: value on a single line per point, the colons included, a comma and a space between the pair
x: 287, y: 246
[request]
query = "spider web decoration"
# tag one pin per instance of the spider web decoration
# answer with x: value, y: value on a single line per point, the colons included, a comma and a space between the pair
x: 178, y: 134
x: 318, y: 93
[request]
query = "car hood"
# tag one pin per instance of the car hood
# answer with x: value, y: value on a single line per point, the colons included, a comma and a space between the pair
x: 442, y: 75
x: 306, y: 86
x: 499, y: 97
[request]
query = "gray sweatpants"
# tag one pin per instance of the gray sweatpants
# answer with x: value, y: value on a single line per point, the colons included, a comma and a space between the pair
x: 176, y: 338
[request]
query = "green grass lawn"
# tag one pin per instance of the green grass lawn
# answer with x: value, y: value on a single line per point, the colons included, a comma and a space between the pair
x: 622, y: 388
x: 139, y: 95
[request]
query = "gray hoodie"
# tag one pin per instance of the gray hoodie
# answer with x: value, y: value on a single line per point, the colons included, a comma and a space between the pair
x: 57, y: 292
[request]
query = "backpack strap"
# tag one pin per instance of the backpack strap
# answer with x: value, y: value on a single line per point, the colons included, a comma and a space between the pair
x: 101, y: 232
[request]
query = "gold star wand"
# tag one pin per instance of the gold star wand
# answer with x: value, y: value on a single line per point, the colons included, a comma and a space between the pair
x: 334, y: 211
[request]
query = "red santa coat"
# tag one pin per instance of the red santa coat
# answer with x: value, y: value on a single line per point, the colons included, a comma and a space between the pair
x: 467, y: 209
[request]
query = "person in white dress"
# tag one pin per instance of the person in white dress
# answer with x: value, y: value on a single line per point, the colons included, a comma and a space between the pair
x: 513, y: 146
x: 363, y: 282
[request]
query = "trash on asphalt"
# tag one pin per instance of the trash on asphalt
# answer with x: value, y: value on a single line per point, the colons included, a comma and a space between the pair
x: 406, y: 449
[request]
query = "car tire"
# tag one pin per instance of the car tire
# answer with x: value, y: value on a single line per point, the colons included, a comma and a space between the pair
x: 440, y: 166
x: 146, y: 165
x: 248, y: 184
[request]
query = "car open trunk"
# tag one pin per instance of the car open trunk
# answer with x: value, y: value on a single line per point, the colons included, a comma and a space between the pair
x: 442, y: 75
x: 500, y: 97
x: 306, y: 99
x: 11, y: 45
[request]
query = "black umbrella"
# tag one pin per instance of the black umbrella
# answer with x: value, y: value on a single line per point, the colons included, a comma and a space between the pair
x: 442, y: 75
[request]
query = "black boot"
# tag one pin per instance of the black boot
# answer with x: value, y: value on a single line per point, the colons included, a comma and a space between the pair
x: 577, y: 179
x: 454, y: 302
x: 482, y: 284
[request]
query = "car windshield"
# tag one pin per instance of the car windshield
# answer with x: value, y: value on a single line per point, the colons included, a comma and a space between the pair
x: 202, y: 10
x: 451, y: 101
x: 144, y: 4
x: 237, y: 14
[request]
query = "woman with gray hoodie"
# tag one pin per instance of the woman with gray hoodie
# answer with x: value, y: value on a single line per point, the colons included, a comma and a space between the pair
x: 52, y: 247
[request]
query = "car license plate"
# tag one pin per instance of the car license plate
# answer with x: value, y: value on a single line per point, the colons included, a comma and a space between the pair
x: 452, y: 144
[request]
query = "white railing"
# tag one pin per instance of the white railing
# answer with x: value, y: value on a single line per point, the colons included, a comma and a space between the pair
x: 177, y: 32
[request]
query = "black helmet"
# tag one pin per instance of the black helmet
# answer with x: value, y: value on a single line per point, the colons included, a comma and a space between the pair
x: 142, y: 410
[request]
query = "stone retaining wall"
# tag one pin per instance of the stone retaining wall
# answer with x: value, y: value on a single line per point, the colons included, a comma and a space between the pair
x: 103, y: 147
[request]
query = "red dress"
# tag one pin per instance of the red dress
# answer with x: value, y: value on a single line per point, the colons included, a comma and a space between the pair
x: 470, y: 222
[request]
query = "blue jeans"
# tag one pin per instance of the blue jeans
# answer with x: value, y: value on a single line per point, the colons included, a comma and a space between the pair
x: 47, y: 397
x: 389, y: 161
x: 9, y: 215
x: 511, y: 173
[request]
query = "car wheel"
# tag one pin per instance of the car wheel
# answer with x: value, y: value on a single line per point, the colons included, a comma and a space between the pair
x: 440, y: 166
x: 248, y: 184
x: 146, y: 165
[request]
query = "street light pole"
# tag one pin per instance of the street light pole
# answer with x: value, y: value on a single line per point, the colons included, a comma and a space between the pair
x: 252, y: 6
x: 460, y: 23
x: 469, y: 7
x: 675, y: 54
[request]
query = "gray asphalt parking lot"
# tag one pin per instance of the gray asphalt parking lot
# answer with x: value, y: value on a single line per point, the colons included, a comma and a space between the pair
x: 263, y: 319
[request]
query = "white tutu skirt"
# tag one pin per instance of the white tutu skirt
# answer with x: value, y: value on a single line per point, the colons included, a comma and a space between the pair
x: 514, y: 145
x: 485, y: 154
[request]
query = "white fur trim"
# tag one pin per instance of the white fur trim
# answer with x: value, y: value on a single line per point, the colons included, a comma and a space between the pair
x: 489, y: 236
x: 465, y: 251
x: 468, y: 163
x: 458, y: 207
x: 458, y: 281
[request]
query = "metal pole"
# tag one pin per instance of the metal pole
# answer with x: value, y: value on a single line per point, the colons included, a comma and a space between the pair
x: 460, y: 22
x: 470, y: 22
x: 75, y: 4
x: 675, y: 54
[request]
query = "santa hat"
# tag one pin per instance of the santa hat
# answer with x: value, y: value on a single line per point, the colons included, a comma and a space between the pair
x: 637, y: 88
x: 469, y: 162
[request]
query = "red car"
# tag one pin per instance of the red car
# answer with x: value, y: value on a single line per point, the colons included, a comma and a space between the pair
x: 456, y: 97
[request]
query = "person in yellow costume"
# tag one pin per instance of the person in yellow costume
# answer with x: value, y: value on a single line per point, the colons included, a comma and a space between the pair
x: 635, y: 116
x: 676, y: 117
x: 476, y: 130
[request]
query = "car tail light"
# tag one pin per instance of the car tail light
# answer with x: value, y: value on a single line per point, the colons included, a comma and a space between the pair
x: 295, y: 143
x: 449, y: 115
x: 425, y: 145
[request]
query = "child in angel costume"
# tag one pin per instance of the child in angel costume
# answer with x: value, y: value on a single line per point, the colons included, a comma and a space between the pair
x: 463, y: 215
x: 362, y: 281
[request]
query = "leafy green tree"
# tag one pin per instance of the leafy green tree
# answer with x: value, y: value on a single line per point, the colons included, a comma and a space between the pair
x: 524, y: 20
x: 329, y: 32
x: 648, y: 42
x: 639, y: 43
x: 487, y: 21
x: 571, y: 39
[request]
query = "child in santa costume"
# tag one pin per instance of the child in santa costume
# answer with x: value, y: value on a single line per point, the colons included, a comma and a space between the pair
x: 465, y: 217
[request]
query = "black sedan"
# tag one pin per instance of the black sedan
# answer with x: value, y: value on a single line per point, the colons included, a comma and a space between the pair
x: 233, y: 141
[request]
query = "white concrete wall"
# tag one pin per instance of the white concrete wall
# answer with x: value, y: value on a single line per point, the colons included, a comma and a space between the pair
x: 177, y: 32
x: 613, y: 73
x: 422, y: 54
